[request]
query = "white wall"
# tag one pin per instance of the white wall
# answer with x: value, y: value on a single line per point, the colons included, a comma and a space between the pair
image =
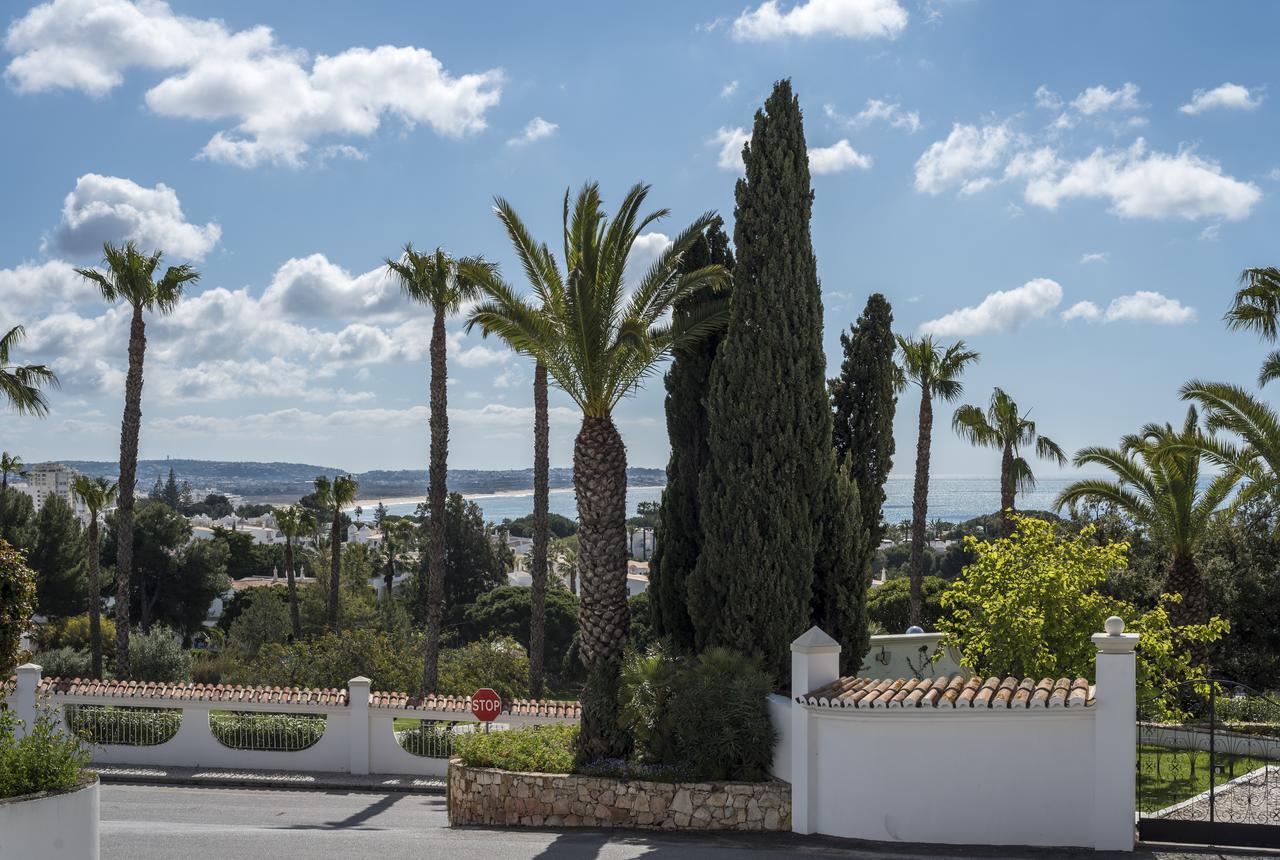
x: 59, y: 827
x: 909, y: 655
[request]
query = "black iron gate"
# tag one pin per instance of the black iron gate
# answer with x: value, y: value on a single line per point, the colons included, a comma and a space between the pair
x: 1209, y: 766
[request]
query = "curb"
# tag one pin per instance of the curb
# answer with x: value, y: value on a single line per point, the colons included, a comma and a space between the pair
x: 274, y: 784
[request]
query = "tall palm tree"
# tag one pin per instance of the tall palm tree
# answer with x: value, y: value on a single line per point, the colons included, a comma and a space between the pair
x: 336, y: 494
x: 1007, y: 430
x: 292, y: 522
x: 1157, y: 486
x: 1255, y: 459
x: 397, y: 535
x: 1256, y: 307
x: 20, y: 384
x: 129, y: 277
x: 10, y: 464
x: 96, y: 494
x: 444, y: 284
x: 936, y: 372
x: 598, y: 342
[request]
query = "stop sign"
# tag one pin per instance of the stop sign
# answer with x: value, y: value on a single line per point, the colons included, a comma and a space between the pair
x: 486, y: 705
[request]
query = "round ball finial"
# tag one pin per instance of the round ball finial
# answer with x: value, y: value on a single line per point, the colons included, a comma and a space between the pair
x: 915, y: 629
x: 1114, y: 625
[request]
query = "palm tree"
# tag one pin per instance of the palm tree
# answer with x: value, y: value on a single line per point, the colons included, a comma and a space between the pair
x: 1255, y: 460
x: 936, y: 371
x: 1002, y: 427
x: 129, y: 277
x: 396, y: 537
x: 96, y: 494
x: 336, y: 494
x: 1157, y: 485
x: 444, y: 284
x: 598, y: 342
x: 1256, y: 307
x: 20, y: 384
x: 10, y: 464
x: 292, y: 522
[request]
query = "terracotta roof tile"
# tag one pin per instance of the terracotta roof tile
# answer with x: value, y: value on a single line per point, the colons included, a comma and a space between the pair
x: 461, y: 705
x: 214, y: 693
x: 949, y: 692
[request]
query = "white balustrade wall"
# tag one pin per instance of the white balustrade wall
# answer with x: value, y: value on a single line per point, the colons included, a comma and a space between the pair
x: 357, y: 738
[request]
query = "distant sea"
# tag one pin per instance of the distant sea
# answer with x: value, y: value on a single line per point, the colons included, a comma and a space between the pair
x: 953, y: 499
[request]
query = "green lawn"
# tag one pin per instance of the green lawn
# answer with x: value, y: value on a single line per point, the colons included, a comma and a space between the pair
x: 1167, y: 776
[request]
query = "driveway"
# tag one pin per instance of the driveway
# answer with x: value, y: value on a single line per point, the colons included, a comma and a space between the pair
x: 144, y: 822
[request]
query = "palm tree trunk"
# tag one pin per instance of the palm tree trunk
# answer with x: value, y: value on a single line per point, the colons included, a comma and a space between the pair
x: 335, y: 565
x: 538, y: 558
x: 95, y: 598
x: 130, y: 428
x: 1006, y: 491
x: 920, y: 505
x: 295, y: 620
x: 600, y: 482
x: 1183, y: 577
x: 436, y: 492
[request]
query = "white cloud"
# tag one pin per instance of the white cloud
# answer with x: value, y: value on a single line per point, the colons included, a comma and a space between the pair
x: 1099, y: 257
x: 536, y: 129
x: 838, y: 157
x: 1000, y: 312
x: 279, y: 99
x: 730, y: 141
x: 33, y: 288
x: 1087, y: 311
x: 1228, y: 96
x: 1047, y: 98
x: 1142, y: 184
x: 644, y: 253
x: 728, y: 89
x: 852, y: 19
x: 1099, y: 99
x: 313, y: 287
x: 877, y: 110
x: 1211, y: 233
x: 112, y: 209
x: 1144, y: 306
x: 966, y: 152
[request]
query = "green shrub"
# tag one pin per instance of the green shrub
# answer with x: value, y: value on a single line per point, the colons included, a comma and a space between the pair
x: 247, y: 730
x: 429, y: 738
x: 17, y: 602
x: 265, y: 621
x: 127, y: 726
x: 619, y: 768
x: 332, y: 659
x: 73, y: 633
x: 46, y: 759
x: 533, y: 749
x: 64, y: 663
x: 1247, y: 709
x: 889, y: 605
x: 158, y: 656
x: 209, y: 667
x: 504, y: 611
x: 500, y: 664
x: 707, y: 715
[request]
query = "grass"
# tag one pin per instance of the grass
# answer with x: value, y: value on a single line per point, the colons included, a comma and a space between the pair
x: 1167, y: 776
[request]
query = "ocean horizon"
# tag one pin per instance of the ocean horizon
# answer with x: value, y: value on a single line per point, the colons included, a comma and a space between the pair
x: 953, y: 499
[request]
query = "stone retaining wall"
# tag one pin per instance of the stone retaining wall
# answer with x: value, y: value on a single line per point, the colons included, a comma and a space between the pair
x: 491, y: 796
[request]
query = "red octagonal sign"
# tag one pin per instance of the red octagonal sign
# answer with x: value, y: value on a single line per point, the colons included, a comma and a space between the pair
x: 486, y: 705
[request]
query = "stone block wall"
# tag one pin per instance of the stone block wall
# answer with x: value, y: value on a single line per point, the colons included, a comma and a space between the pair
x: 491, y: 796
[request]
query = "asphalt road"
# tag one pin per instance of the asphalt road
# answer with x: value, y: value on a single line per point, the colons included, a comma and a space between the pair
x: 144, y: 822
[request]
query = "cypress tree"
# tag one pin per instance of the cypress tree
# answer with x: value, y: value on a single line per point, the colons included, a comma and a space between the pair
x: 842, y: 568
x: 58, y: 558
x: 770, y: 481
x: 679, y: 534
x: 864, y: 398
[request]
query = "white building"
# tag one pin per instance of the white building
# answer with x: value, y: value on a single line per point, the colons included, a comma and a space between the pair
x: 365, y: 535
x: 52, y: 479
x: 642, y: 542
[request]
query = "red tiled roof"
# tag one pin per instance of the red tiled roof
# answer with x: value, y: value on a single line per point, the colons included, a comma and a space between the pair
x: 462, y: 705
x: 220, y: 693
x: 953, y: 692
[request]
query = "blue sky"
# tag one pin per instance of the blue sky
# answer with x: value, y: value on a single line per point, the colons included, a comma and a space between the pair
x: 1072, y: 188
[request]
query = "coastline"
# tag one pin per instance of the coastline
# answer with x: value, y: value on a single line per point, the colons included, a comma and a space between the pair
x: 496, y: 494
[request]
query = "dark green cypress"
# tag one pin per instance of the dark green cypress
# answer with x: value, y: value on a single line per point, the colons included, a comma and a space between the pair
x: 864, y: 397
x: 679, y: 533
x: 771, y: 473
x: 842, y: 568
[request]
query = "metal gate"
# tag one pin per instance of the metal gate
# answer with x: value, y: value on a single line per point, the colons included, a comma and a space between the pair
x: 1209, y: 766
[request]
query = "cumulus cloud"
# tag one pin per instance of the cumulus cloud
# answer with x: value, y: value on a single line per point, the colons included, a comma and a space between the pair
x: 1047, y: 98
x: 40, y: 287
x: 644, y: 253
x: 112, y: 209
x: 850, y: 19
x: 838, y: 157
x: 957, y: 161
x: 1099, y: 99
x: 730, y: 141
x: 278, y: 98
x: 876, y: 110
x: 1226, y: 96
x: 536, y: 129
x: 314, y: 287
x: 1143, y: 184
x: 728, y: 89
x: 1143, y: 306
x: 1000, y: 312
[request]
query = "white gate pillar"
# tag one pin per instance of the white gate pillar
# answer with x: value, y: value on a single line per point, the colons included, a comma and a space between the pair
x: 24, y: 696
x: 815, y: 661
x: 358, y: 719
x: 1115, y: 739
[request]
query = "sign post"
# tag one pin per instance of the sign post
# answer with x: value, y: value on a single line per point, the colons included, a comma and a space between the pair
x: 485, y: 706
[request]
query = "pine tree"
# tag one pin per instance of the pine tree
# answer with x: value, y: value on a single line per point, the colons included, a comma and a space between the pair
x: 770, y: 483
x: 58, y: 558
x: 678, y: 535
x: 172, y: 495
x: 864, y: 397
